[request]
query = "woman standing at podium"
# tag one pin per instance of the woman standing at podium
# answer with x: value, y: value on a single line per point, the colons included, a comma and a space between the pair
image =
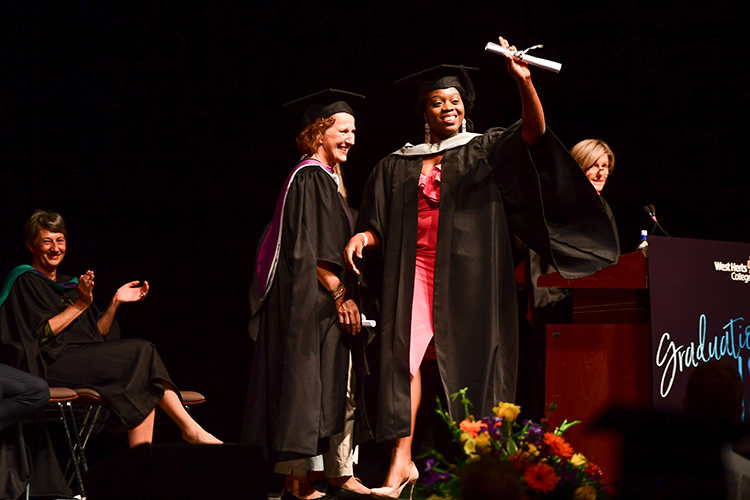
x: 597, y: 161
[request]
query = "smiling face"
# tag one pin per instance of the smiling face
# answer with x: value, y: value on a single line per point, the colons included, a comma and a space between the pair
x: 598, y: 172
x: 335, y: 142
x: 48, y: 250
x: 444, y: 111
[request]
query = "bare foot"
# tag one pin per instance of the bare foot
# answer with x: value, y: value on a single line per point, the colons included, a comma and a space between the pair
x: 312, y: 496
x: 200, y: 436
x: 350, y: 483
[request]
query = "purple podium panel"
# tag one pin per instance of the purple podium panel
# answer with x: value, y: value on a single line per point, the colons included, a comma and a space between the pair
x: 700, y: 310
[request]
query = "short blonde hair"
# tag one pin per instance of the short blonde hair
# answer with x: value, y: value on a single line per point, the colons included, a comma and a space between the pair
x: 588, y: 151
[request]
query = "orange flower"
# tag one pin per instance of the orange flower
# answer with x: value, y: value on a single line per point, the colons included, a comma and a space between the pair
x: 593, y: 469
x: 541, y: 477
x: 471, y: 428
x: 518, y: 459
x: 558, y: 446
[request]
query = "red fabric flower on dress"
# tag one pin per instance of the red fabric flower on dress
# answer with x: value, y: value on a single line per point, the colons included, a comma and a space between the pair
x: 430, y: 184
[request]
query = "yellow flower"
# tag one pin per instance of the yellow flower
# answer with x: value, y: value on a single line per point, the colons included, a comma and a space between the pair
x: 470, y: 445
x: 435, y: 496
x: 483, y: 444
x: 578, y: 460
x: 507, y: 411
x: 585, y: 492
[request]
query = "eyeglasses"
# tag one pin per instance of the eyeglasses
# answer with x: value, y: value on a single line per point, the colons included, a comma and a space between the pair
x: 596, y: 169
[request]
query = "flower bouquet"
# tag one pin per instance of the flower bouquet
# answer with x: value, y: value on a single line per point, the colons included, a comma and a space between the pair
x: 548, y: 466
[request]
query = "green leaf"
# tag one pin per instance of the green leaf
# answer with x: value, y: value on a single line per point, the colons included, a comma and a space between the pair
x: 565, y: 426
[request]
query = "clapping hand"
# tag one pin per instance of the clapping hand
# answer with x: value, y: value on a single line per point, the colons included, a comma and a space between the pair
x: 86, y: 287
x: 132, y: 292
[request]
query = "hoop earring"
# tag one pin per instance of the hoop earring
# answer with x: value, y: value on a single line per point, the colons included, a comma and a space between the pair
x: 463, y: 126
x: 426, y: 132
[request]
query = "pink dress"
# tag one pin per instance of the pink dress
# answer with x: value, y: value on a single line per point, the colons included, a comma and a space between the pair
x: 421, y: 310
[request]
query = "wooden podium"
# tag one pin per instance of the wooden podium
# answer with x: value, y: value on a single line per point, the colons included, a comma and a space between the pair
x: 603, y: 358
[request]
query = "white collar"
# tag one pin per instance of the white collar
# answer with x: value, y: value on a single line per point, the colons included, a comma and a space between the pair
x: 425, y: 149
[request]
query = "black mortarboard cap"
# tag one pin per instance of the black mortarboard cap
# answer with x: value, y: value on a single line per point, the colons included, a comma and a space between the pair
x: 443, y: 76
x: 323, y: 104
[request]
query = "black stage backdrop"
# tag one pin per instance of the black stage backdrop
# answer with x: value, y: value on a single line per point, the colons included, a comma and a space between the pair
x: 156, y: 129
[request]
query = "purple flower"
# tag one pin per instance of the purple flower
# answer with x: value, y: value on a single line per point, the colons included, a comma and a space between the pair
x: 569, y: 476
x: 435, y: 477
x: 534, y: 433
x: 431, y: 475
x: 496, y: 433
x: 493, y: 427
x: 492, y: 421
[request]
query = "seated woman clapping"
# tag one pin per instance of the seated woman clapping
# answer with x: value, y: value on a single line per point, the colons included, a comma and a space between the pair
x: 53, y: 330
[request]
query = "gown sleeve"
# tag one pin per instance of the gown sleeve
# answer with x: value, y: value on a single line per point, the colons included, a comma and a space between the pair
x: 374, y: 208
x: 313, y: 218
x: 550, y: 204
x: 24, y: 316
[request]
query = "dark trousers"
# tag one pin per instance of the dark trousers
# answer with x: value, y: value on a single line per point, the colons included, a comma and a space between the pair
x: 21, y: 394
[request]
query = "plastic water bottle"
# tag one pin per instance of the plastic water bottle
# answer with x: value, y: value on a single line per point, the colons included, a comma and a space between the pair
x: 643, y: 245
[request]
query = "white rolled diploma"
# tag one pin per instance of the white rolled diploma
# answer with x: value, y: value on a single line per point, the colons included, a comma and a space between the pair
x: 534, y: 61
x: 368, y: 322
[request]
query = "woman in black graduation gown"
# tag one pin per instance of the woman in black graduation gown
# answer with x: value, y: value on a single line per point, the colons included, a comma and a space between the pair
x: 297, y: 396
x: 489, y: 185
x: 597, y: 161
x: 52, y: 329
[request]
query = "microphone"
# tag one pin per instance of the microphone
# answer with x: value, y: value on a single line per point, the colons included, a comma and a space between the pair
x: 651, y: 212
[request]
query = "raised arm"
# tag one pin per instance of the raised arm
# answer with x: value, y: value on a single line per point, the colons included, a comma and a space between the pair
x: 532, y: 112
x: 129, y: 292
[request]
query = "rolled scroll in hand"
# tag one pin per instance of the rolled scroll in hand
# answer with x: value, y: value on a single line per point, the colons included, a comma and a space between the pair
x: 523, y: 57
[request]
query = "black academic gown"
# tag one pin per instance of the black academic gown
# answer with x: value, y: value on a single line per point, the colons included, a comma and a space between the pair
x: 128, y: 373
x: 611, y: 216
x: 297, y: 391
x: 490, y: 187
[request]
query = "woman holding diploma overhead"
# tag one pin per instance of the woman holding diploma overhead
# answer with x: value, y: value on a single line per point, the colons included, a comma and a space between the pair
x: 299, y: 399
x: 441, y: 214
